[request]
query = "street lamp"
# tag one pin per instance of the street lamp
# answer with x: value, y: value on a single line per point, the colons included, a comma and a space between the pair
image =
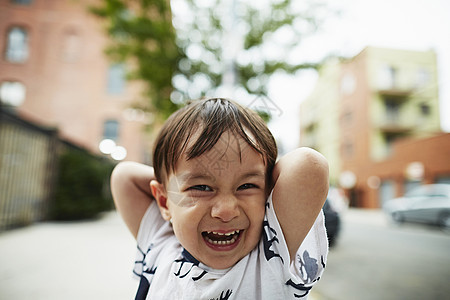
x: 109, y: 147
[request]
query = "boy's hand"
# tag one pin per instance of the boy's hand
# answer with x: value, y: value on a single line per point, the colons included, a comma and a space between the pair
x: 130, y: 187
x: 300, y: 190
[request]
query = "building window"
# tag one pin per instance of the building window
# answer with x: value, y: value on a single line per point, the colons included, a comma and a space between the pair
x: 116, y: 79
x: 22, y: 2
x: 12, y: 93
x: 71, y: 46
x: 422, y: 77
x: 17, y: 45
x: 387, y: 77
x: 348, y: 84
x: 347, y: 118
x: 425, y: 109
x: 347, y: 150
x: 392, y: 110
x: 111, y: 130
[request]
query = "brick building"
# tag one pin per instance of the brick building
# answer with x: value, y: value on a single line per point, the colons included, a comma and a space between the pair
x: 359, y: 112
x: 412, y: 162
x: 53, y: 71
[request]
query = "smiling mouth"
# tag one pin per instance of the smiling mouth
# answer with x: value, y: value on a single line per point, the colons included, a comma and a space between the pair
x: 221, y: 239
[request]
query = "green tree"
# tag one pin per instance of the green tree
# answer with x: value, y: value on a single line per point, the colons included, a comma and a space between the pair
x: 198, y: 47
x: 141, y: 34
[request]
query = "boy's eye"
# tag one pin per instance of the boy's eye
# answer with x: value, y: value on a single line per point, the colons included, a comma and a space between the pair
x: 247, y: 186
x: 200, y: 187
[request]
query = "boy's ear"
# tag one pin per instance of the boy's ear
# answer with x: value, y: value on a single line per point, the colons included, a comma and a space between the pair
x: 160, y: 194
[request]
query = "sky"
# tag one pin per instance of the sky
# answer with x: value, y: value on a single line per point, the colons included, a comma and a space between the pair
x: 399, y: 24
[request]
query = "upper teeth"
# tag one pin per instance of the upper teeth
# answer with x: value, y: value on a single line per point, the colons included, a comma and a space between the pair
x: 226, y: 234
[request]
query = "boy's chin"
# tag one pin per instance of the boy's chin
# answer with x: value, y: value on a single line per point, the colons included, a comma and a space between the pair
x: 222, y: 264
x: 222, y: 261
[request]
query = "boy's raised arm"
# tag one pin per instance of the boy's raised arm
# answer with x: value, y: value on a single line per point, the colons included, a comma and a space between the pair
x: 130, y: 187
x: 300, y: 190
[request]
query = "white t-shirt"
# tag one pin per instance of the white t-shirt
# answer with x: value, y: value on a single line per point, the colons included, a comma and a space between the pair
x: 167, y: 271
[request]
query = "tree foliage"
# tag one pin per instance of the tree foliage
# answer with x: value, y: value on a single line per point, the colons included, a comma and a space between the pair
x: 199, y: 47
x: 141, y: 34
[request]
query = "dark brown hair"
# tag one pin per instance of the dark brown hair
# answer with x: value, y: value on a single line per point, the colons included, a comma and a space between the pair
x: 213, y: 117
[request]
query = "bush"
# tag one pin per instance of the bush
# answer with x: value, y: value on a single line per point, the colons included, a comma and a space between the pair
x: 82, y: 188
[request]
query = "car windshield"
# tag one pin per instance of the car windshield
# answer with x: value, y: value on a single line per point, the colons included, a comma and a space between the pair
x: 432, y: 190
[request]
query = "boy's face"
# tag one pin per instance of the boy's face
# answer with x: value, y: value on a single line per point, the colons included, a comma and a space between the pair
x: 216, y: 202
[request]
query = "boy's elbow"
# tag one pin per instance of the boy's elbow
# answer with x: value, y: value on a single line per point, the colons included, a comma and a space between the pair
x: 303, y: 171
x: 319, y: 171
x: 311, y: 160
x: 122, y: 176
x: 319, y: 162
x: 124, y: 169
x: 312, y: 167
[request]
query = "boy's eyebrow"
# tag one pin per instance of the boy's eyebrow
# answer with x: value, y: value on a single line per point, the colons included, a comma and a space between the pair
x: 254, y: 174
x: 195, y: 175
x: 205, y: 176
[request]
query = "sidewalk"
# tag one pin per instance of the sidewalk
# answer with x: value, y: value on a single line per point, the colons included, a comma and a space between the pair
x: 77, y: 260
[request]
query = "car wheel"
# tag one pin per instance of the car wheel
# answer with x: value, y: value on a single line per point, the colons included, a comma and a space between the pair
x: 397, y: 217
x: 331, y: 241
x: 444, y: 221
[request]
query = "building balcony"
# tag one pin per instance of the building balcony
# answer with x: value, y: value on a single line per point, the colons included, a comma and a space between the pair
x: 396, y: 93
x: 390, y: 123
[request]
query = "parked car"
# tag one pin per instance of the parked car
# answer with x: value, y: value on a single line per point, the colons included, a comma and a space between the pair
x: 428, y: 204
x: 332, y: 222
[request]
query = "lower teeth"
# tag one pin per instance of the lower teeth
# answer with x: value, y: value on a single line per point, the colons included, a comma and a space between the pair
x: 233, y: 240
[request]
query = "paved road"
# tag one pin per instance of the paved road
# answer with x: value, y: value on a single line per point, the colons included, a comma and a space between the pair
x: 375, y: 259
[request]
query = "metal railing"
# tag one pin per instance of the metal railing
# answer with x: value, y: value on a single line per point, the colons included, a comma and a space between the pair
x: 28, y: 167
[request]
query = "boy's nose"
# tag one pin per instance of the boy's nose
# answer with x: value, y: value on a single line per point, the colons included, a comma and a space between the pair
x: 225, y: 208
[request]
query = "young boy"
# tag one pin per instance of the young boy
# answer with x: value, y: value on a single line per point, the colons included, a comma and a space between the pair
x: 217, y: 217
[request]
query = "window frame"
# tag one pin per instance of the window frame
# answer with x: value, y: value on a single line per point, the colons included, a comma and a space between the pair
x: 17, y: 53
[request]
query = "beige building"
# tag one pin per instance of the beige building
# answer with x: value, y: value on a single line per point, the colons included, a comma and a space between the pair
x: 53, y: 71
x: 361, y: 107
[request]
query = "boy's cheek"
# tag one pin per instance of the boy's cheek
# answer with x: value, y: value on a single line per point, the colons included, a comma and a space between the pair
x: 181, y: 199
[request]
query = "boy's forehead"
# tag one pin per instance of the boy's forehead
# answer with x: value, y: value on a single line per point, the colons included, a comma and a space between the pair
x: 199, y: 170
x: 229, y: 147
x: 229, y: 150
x: 239, y: 159
x: 226, y: 137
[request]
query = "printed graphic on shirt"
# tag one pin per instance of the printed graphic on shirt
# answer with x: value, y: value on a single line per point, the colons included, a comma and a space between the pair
x: 190, y: 262
x: 299, y: 287
x: 142, y: 292
x: 145, y: 274
x: 269, y: 238
x: 309, y: 269
x: 308, y: 266
x: 224, y: 295
x: 187, y: 264
x: 141, y: 263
